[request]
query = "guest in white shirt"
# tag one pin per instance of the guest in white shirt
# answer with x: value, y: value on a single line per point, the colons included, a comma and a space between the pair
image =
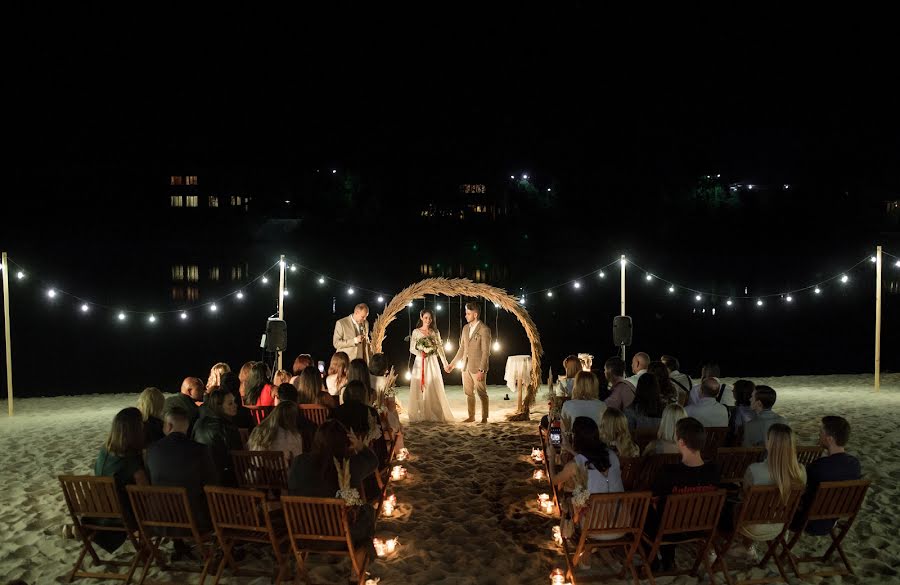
x: 679, y: 378
x: 639, y: 364
x: 723, y: 394
x: 708, y: 411
x: 337, y: 373
x: 585, y: 401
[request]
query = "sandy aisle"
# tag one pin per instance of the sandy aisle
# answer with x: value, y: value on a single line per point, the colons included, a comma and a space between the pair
x: 466, y: 510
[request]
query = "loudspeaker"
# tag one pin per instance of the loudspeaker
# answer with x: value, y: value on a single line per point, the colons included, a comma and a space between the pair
x: 622, y: 330
x: 276, y: 335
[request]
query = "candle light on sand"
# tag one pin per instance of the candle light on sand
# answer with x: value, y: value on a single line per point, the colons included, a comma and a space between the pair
x: 379, y: 547
x: 557, y: 535
x: 543, y: 498
x: 388, y: 508
x: 536, y: 454
x: 391, y: 544
x: 398, y: 472
x: 557, y: 577
x: 538, y: 474
x: 548, y: 506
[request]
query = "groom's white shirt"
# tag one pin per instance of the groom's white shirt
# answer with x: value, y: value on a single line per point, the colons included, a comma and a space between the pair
x: 472, y: 327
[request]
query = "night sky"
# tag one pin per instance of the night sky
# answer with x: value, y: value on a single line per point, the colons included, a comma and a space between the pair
x: 620, y: 114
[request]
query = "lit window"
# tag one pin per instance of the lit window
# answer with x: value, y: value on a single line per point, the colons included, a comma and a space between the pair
x: 235, y: 200
x: 191, y: 180
x: 175, y: 201
x: 175, y: 181
x: 193, y: 293
x: 191, y: 200
x: 177, y: 293
x: 213, y: 201
x: 237, y: 273
x: 178, y: 272
x: 193, y: 273
x: 214, y: 273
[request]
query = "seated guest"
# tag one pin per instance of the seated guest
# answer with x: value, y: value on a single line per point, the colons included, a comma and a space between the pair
x: 566, y: 384
x: 601, y: 462
x: 230, y: 384
x: 584, y: 401
x: 288, y: 392
x: 359, y: 370
x: 314, y: 475
x: 691, y: 475
x: 614, y: 432
x: 742, y: 413
x: 838, y: 465
x: 724, y: 394
x: 756, y: 430
x: 281, y: 377
x: 639, y: 364
x: 301, y: 362
x: 217, y: 431
x: 780, y: 468
x: 708, y: 410
x: 665, y: 437
x: 357, y: 415
x: 120, y: 458
x: 681, y: 380
x: 337, y: 373
x: 621, y: 391
x: 285, y: 393
x: 646, y: 410
x: 668, y: 392
x: 177, y: 461
x: 243, y: 374
x: 151, y: 403
x: 310, y: 389
x: 279, y: 431
x: 191, y: 393
x: 258, y: 392
x: 215, y: 375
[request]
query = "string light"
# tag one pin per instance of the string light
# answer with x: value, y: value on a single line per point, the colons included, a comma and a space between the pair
x: 671, y: 289
x: 240, y: 295
x: 845, y: 278
x: 496, y: 306
x: 601, y: 274
x: 287, y: 292
x: 698, y: 297
x: 448, y: 346
x: 623, y: 261
x: 152, y: 318
x: 496, y: 346
x: 897, y: 263
x: 408, y: 375
x: 85, y: 308
x: 350, y: 291
x: 321, y: 280
x: 759, y: 303
x: 213, y: 308
x: 183, y: 315
x: 121, y: 316
x: 460, y: 364
x: 789, y: 298
x: 265, y: 280
x: 409, y: 304
x: 549, y: 293
x: 729, y: 302
x: 818, y: 291
x: 873, y: 259
x: 649, y: 277
x: 293, y: 268
x: 20, y: 275
x: 51, y: 293
x: 522, y: 301
x: 439, y: 307
x: 380, y: 299
x: 577, y: 284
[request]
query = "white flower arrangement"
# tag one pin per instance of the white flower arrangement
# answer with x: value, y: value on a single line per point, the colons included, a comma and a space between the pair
x: 349, y: 494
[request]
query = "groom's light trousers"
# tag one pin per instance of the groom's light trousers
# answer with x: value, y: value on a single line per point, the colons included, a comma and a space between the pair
x: 470, y: 387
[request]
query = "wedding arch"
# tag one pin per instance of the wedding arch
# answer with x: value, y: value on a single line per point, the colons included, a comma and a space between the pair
x: 455, y: 287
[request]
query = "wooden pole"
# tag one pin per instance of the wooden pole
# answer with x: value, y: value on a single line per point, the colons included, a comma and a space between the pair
x: 280, y: 301
x: 9, y: 385
x: 622, y: 263
x: 877, y: 319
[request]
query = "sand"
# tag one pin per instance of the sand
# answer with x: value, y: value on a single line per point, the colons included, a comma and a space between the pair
x: 467, y: 511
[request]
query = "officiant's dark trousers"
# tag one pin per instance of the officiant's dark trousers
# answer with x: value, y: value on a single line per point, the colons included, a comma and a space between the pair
x: 471, y: 386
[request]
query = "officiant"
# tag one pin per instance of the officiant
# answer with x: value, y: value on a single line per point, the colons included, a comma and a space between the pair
x: 351, y: 334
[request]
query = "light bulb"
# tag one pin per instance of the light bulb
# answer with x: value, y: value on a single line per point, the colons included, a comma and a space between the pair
x: 439, y: 307
x: 286, y: 292
x: 85, y: 308
x: 183, y: 315
x: 240, y: 295
x: 409, y: 304
x: 20, y: 275
x: 577, y: 285
x: 380, y: 299
x: 448, y: 346
x: 293, y: 268
x: 845, y: 278
x: 698, y: 297
x: 649, y: 277
x: 897, y: 263
x: 525, y: 177
x: 818, y: 291
x: 549, y: 293
x: 408, y: 375
x: 496, y: 346
x: 729, y: 302
x: 460, y: 364
x: 265, y: 280
x: 496, y: 306
x: 623, y: 261
x: 51, y: 293
x: 873, y: 259
x: 152, y: 318
x: 121, y: 316
x: 759, y: 303
x: 789, y: 298
x: 350, y: 291
x: 213, y: 308
x: 602, y: 274
x: 321, y: 280
x: 671, y: 289
x: 333, y: 171
x: 512, y: 176
x: 522, y: 301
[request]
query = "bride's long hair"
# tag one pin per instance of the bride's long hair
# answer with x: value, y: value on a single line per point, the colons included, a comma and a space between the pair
x: 419, y: 324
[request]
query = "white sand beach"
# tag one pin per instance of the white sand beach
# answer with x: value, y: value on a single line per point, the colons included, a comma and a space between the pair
x: 467, y: 513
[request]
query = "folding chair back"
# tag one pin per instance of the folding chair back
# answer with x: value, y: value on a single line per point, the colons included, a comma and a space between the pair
x: 806, y: 454
x: 650, y: 466
x: 643, y: 437
x: 94, y: 506
x: 314, y: 413
x: 261, y: 470
x: 763, y: 504
x: 715, y: 436
x: 259, y: 412
x: 245, y: 436
x: 734, y: 461
x: 320, y: 525
x: 630, y: 467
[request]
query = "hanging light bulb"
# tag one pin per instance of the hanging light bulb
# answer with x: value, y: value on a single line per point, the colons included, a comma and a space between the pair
x: 601, y: 274
x: 121, y: 316
x: 183, y: 315
x: 649, y: 277
x: 818, y: 291
x: 51, y: 293
x: 380, y: 299
x: 448, y: 346
x: 789, y: 298
x: 408, y: 375
x: 85, y: 308
x: 698, y: 297
x: 152, y: 318
x: 409, y: 304
x: 350, y: 291
x: 496, y: 346
x: 759, y: 302
x: 522, y: 301
x: 549, y: 293
x: 321, y: 280
x: 265, y: 280
x: 213, y: 308
x: 845, y: 278
x: 20, y: 275
x: 729, y: 302
x: 577, y: 284
x: 286, y: 292
x: 460, y: 364
x: 439, y: 307
x: 240, y: 295
x: 293, y: 268
x: 671, y: 289
x: 623, y: 261
x: 496, y: 306
x: 873, y: 259
x: 897, y: 263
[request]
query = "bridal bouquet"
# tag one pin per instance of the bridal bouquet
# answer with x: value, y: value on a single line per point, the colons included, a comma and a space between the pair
x: 350, y: 495
x: 427, y: 345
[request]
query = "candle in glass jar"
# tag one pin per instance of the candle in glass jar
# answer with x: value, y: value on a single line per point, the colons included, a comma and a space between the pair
x: 557, y: 577
x: 379, y: 547
x: 388, y: 508
x: 557, y: 535
x: 391, y: 544
x: 398, y: 472
x: 548, y: 506
x: 538, y: 474
x: 543, y: 498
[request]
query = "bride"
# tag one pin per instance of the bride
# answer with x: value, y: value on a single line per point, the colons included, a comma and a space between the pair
x: 427, y: 400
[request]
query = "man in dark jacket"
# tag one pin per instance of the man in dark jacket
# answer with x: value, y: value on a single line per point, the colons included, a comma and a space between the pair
x: 191, y: 392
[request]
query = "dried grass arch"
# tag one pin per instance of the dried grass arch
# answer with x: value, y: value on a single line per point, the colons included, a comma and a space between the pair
x: 454, y: 287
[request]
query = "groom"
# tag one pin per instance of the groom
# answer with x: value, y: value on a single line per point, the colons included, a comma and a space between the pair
x: 475, y: 349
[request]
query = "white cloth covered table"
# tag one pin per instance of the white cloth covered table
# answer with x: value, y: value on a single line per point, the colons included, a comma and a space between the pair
x: 518, y: 367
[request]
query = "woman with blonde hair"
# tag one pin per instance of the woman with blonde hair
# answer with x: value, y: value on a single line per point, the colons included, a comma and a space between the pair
x: 585, y: 401
x: 614, y: 432
x: 665, y: 435
x: 281, y: 377
x: 215, y: 376
x: 781, y: 469
x: 278, y: 432
x: 571, y: 366
x: 337, y: 373
x: 151, y: 403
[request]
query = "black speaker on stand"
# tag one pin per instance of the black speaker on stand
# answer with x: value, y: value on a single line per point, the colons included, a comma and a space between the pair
x: 276, y: 335
x: 622, y: 332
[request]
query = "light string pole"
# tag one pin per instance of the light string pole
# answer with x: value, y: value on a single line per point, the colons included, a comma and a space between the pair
x: 877, y: 318
x: 9, y: 385
x: 622, y: 261
x: 280, y: 302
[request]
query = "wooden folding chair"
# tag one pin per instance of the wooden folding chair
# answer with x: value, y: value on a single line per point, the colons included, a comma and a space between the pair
x: 260, y: 470
x: 91, y: 501
x: 383, y: 474
x: 715, y: 437
x: 806, y: 454
x: 734, y: 461
x: 650, y: 466
x: 242, y: 516
x: 314, y: 413
x: 259, y: 412
x: 550, y: 466
x: 617, y: 519
x: 321, y: 526
x: 839, y: 501
x: 165, y: 512
x: 645, y: 436
x: 686, y: 518
x: 762, y: 504
x: 631, y: 469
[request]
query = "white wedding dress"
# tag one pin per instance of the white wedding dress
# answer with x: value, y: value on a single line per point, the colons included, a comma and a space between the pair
x: 428, y: 402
